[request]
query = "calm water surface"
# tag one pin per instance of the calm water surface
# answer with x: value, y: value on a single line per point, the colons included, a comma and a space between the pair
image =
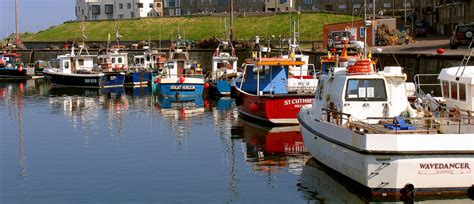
x: 129, y: 146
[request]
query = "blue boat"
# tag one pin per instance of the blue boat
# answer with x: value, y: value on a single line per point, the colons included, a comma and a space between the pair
x: 195, y: 102
x: 180, y: 77
x: 224, y: 70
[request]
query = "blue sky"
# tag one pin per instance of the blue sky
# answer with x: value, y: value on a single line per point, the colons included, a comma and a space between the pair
x: 35, y: 15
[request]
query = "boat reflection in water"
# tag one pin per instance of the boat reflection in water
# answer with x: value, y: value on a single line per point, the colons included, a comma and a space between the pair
x: 84, y: 107
x: 180, y: 114
x: 320, y: 184
x: 273, y: 149
x: 11, y: 95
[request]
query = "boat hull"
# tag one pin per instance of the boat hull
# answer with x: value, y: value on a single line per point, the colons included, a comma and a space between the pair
x: 102, y: 80
x: 387, y: 170
x: 13, y: 73
x: 221, y: 87
x: 277, y: 109
x: 174, y: 88
x: 137, y: 78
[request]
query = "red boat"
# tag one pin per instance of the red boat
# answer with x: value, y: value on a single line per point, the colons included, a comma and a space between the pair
x: 268, y: 92
x: 269, y: 148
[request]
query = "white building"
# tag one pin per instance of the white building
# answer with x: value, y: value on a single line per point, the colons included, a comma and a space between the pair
x: 117, y: 9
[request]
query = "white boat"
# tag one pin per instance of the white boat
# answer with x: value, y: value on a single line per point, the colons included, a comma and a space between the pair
x: 224, y: 69
x: 362, y: 126
x: 79, y: 71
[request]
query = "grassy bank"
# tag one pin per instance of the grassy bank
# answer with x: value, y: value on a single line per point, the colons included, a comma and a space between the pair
x: 193, y: 28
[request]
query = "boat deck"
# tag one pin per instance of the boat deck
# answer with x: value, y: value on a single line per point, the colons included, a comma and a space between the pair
x: 366, y: 128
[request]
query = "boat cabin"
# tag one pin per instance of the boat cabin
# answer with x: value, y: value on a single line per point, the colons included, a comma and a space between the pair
x: 74, y: 63
x: 267, y: 76
x: 363, y: 95
x: 10, y: 60
x: 457, y: 87
x: 179, y: 65
x: 113, y: 60
x: 149, y: 60
x: 223, y: 65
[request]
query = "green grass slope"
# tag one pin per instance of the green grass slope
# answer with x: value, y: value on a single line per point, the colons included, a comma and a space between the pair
x: 190, y: 27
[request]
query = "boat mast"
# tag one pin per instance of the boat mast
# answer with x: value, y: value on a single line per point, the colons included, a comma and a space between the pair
x: 17, y: 27
x: 365, y: 29
x: 231, y: 20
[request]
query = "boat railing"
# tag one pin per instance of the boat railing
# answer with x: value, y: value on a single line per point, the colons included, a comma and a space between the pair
x: 419, y: 80
x: 185, y: 75
x: 336, y: 117
x: 452, y: 124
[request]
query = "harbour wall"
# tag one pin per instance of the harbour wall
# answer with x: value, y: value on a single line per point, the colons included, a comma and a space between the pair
x: 412, y: 63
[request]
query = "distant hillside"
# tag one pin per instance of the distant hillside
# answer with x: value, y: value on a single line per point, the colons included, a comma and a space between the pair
x: 190, y: 27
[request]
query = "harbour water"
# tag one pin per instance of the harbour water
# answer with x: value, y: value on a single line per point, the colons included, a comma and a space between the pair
x: 125, y: 145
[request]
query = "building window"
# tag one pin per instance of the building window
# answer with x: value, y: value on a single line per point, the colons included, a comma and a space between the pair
x: 82, y: 11
x: 132, y: 14
x: 95, y: 17
x: 151, y: 5
x: 120, y: 60
x: 140, y: 5
x: 110, y: 16
x: 109, y: 9
x: 80, y: 62
x: 95, y: 9
x: 387, y: 5
x: 203, y: 2
x: 66, y: 64
x: 283, y: 1
x: 171, y: 12
x: 191, y: 2
x: 158, y: 5
x: 342, y: 6
x: 120, y: 16
x: 308, y: 1
x: 120, y: 6
x: 129, y: 5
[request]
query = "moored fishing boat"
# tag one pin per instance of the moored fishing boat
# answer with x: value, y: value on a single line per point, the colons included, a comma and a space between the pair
x: 224, y: 69
x: 11, y: 66
x: 361, y: 125
x: 145, y: 67
x: 180, y: 77
x: 264, y: 91
x: 78, y: 70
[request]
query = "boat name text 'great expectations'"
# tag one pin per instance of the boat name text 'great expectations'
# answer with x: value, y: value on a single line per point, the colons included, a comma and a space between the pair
x: 298, y: 101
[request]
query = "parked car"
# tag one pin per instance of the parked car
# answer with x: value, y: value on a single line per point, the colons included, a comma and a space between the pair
x: 335, y: 40
x: 462, y: 35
